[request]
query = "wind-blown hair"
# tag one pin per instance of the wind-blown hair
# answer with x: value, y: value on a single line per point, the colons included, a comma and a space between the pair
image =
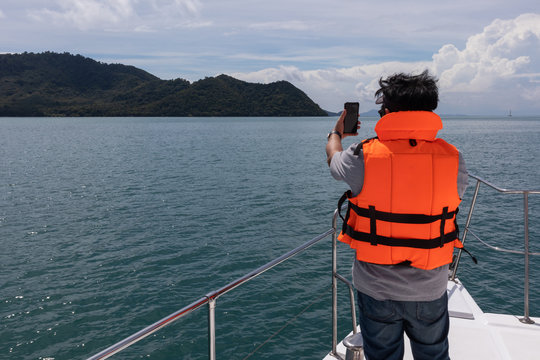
x: 407, y: 92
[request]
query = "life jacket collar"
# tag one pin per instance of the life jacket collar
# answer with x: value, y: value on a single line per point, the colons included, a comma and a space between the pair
x: 421, y: 125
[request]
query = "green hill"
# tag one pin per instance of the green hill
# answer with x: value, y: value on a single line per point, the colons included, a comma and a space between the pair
x: 52, y: 84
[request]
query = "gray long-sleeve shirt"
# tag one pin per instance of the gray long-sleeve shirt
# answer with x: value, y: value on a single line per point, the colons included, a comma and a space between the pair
x: 391, y: 282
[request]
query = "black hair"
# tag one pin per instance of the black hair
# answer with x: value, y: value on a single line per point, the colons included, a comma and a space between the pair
x: 407, y: 92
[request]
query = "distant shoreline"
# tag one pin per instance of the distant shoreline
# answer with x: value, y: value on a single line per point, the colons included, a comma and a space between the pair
x: 51, y: 84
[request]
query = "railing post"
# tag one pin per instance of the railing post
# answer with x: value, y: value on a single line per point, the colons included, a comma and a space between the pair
x: 334, y: 284
x: 212, y: 328
x: 351, y: 298
x: 458, y: 256
x: 353, y: 310
x: 526, y: 319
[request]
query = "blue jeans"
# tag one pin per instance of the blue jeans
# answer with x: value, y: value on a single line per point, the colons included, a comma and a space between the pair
x: 383, y: 323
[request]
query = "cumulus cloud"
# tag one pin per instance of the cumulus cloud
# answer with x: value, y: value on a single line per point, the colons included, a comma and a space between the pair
x: 119, y: 14
x: 499, y: 67
x: 503, y: 50
x: 331, y: 87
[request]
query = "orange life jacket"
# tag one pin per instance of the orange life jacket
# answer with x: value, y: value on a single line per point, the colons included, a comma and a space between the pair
x: 406, y: 210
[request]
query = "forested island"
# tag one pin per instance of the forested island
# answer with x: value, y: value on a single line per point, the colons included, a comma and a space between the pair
x: 53, y: 84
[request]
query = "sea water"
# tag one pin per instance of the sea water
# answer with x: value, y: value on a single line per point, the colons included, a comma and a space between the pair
x: 109, y: 224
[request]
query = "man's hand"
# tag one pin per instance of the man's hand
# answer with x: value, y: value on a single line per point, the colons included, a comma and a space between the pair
x: 340, y: 125
x: 334, y: 141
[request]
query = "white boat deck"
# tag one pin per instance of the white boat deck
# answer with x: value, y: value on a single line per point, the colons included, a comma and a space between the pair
x: 478, y: 335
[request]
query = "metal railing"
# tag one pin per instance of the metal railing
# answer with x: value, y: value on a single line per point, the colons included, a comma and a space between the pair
x: 211, y: 297
x: 526, y: 319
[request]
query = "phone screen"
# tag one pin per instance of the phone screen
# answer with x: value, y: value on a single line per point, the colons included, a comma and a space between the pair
x: 351, y: 119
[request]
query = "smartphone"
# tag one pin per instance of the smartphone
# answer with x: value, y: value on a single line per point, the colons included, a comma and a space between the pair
x: 351, y: 119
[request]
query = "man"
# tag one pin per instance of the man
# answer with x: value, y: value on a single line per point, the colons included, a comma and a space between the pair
x: 405, y: 187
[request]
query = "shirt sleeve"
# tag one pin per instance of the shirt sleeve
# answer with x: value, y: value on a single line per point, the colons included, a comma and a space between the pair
x: 463, y: 176
x: 347, y: 167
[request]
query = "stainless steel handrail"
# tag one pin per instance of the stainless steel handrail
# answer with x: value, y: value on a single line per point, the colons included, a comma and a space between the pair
x: 209, y: 299
x: 502, y: 190
x: 497, y: 248
x: 526, y: 318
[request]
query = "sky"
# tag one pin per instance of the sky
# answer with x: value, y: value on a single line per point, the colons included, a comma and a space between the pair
x: 485, y: 53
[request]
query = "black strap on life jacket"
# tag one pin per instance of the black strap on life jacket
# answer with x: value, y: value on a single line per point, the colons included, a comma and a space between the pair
x: 359, y: 147
x: 374, y: 239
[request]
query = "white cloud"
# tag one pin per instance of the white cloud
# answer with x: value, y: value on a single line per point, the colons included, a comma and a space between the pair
x: 120, y: 14
x: 501, y: 62
x: 330, y: 88
x: 501, y: 51
x: 498, y: 67
x: 294, y: 25
x: 173, y: 8
x: 2, y: 14
x: 86, y: 14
